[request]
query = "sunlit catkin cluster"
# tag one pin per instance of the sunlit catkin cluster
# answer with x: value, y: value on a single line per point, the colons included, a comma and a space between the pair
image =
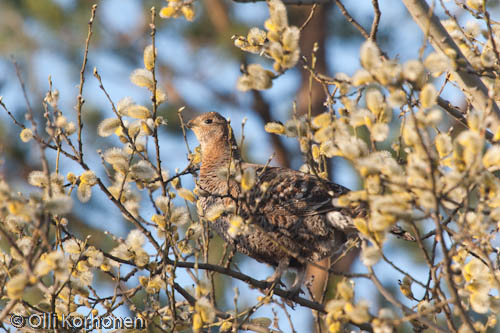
x: 176, y: 8
x: 133, y: 124
x: 57, y: 125
x: 437, y: 177
x: 343, y: 309
x: 279, y: 42
x: 60, y: 266
x: 420, y: 174
x: 69, y: 267
x: 478, y: 45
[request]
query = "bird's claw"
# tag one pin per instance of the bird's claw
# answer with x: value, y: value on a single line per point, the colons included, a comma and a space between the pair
x: 274, y: 281
x: 294, y: 292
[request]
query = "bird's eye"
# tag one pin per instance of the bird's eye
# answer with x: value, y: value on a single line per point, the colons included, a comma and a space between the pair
x: 208, y: 121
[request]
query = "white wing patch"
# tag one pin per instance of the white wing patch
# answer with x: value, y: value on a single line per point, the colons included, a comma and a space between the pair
x: 339, y: 220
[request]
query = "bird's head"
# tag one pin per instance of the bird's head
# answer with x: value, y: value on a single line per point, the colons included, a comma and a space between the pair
x: 209, y: 128
x: 215, y: 136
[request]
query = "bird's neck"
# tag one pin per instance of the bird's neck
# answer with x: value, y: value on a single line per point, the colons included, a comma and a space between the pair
x: 218, y: 155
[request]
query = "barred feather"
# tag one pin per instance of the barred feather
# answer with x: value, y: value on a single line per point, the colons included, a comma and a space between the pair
x: 291, y: 215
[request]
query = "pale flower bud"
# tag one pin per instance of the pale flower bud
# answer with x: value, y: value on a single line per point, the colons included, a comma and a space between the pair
x: 370, y: 255
x: 370, y: 55
x: 149, y: 57
x: 414, y: 72
x: 277, y: 11
x: 142, y: 78
x: 26, y: 135
x: 428, y: 96
x: 142, y: 170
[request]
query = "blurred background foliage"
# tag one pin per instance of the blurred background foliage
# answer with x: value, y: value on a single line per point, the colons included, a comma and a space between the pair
x: 198, y: 67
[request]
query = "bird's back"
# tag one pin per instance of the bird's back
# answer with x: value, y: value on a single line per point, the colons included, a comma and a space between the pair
x: 289, y: 215
x: 282, y: 217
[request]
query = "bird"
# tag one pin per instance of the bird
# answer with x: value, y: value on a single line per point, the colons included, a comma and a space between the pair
x: 291, y: 219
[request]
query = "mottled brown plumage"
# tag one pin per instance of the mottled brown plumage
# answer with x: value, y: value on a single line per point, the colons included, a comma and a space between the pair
x: 292, y: 219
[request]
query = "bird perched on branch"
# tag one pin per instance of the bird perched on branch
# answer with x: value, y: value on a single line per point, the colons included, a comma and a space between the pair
x: 279, y: 216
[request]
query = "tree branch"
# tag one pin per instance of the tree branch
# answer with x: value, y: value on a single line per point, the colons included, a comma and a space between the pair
x: 458, y: 115
x: 470, y: 83
x: 292, y: 2
x: 376, y: 20
x: 351, y: 19
x: 389, y: 297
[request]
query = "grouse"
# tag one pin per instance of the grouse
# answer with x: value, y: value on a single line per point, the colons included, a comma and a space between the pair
x: 290, y: 217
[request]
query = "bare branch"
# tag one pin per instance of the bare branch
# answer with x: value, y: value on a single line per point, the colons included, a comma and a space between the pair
x: 376, y: 20
x: 80, y: 99
x: 351, y: 20
x: 388, y: 296
x: 291, y: 2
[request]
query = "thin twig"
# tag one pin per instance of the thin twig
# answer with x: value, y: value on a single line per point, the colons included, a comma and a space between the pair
x: 351, y: 20
x: 376, y: 20
x: 389, y: 297
x: 80, y: 99
x: 309, y: 17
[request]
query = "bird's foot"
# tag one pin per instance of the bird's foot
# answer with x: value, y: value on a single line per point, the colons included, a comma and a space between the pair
x: 275, y: 278
x: 295, y: 289
x: 290, y: 296
x: 293, y: 292
x: 274, y: 281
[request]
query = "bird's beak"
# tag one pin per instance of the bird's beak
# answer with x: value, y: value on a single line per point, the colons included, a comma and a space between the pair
x: 190, y: 124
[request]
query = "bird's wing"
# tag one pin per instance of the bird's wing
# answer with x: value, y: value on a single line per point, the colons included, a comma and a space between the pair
x: 304, y: 193
x: 285, y: 197
x: 290, y: 197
